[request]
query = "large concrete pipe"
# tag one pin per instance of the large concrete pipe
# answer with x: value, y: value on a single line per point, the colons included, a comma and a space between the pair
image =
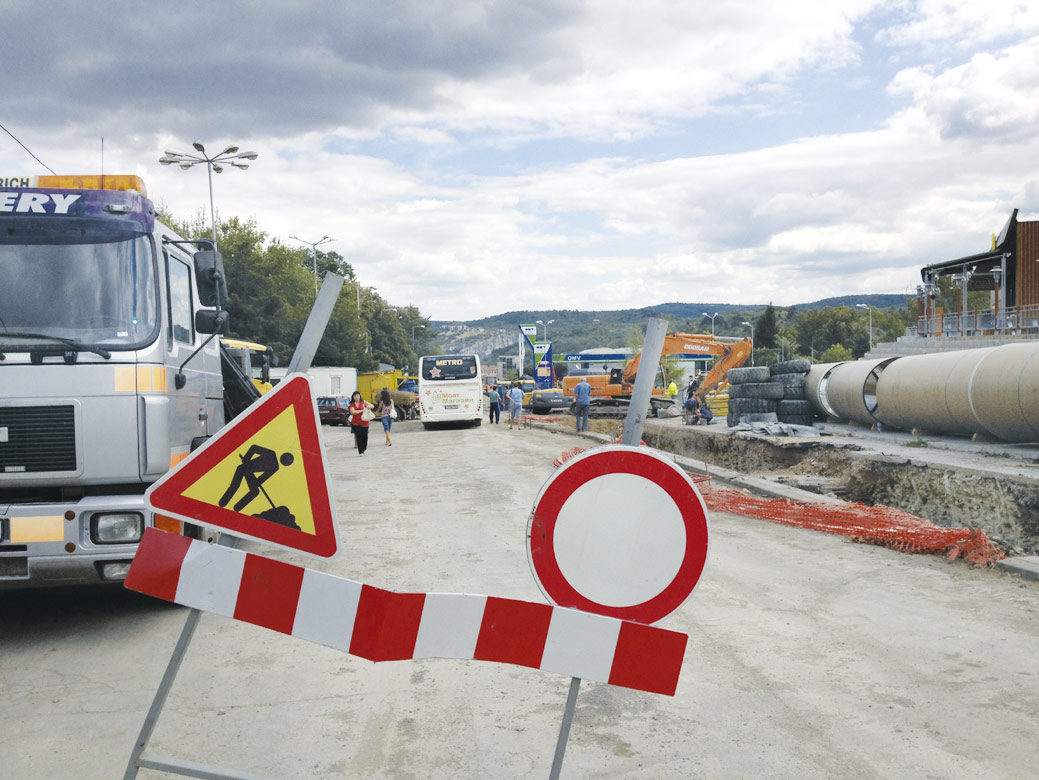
x: 932, y: 392
x: 815, y: 387
x: 851, y: 389
x: 1005, y: 391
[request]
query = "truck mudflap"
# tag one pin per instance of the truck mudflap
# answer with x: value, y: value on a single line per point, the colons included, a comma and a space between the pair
x: 87, y: 542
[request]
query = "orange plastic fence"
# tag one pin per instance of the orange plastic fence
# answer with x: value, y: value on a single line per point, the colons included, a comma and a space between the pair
x: 880, y: 525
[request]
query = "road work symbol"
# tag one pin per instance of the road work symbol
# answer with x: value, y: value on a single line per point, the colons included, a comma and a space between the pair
x: 262, y: 477
x: 258, y: 465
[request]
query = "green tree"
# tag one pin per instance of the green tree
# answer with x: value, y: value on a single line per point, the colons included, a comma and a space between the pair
x: 766, y: 328
x: 835, y: 354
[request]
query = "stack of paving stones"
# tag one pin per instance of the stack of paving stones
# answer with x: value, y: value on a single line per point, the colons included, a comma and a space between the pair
x: 769, y: 394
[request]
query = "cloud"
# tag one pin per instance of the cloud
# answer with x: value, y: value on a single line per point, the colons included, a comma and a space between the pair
x: 993, y: 97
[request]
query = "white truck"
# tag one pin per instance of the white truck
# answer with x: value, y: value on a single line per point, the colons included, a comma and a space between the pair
x: 110, y: 372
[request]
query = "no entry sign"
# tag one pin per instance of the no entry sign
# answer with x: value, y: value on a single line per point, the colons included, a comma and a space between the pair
x: 618, y: 531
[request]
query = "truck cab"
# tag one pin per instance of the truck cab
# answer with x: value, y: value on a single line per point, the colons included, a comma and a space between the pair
x: 109, y: 372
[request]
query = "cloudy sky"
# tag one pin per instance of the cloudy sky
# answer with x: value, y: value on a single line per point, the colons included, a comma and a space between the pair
x: 472, y: 158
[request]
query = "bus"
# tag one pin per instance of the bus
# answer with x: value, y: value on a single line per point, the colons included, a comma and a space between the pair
x: 450, y: 389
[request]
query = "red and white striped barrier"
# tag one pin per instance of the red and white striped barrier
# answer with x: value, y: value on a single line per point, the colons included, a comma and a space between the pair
x: 382, y: 625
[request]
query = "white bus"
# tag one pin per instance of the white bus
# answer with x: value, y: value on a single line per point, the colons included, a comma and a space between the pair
x: 450, y: 389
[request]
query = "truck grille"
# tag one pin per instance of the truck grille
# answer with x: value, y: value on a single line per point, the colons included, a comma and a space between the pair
x: 37, y: 438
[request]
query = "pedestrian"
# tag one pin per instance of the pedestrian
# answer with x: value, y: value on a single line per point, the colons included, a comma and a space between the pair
x: 386, y: 412
x: 692, y: 387
x: 672, y: 391
x: 494, y: 406
x: 357, y: 421
x: 582, y: 402
x: 515, y: 405
x: 501, y: 398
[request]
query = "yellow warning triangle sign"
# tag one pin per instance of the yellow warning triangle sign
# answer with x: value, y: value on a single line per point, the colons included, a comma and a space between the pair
x: 263, y: 477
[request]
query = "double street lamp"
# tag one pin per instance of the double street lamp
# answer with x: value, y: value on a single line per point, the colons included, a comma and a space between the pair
x: 546, y: 324
x: 215, y: 163
x: 751, y: 326
x: 313, y: 250
x: 711, y: 318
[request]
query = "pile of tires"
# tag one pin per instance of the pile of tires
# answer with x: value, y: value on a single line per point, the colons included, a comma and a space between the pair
x: 773, y: 393
x: 753, y: 397
x: 793, y: 407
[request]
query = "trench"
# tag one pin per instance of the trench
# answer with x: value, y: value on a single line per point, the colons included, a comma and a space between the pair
x: 1005, y: 506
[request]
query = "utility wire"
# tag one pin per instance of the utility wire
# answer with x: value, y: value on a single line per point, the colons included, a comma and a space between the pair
x: 26, y: 148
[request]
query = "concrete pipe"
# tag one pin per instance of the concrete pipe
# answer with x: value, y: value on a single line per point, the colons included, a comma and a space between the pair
x: 1005, y: 391
x: 932, y: 392
x: 851, y: 389
x: 816, y: 380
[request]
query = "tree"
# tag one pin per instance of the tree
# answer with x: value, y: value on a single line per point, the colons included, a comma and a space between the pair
x: 766, y: 328
x: 836, y: 354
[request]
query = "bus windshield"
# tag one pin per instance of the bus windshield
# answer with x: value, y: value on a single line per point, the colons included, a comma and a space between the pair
x: 447, y: 368
x: 101, y: 293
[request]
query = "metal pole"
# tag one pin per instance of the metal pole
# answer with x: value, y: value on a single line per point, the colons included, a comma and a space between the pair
x: 656, y: 330
x: 564, y: 729
x: 316, y: 323
x: 212, y: 208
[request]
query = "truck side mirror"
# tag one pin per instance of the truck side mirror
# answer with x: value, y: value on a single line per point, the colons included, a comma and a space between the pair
x: 209, y: 276
x: 209, y: 321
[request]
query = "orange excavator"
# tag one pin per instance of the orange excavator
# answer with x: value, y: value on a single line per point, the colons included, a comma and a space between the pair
x: 616, y: 387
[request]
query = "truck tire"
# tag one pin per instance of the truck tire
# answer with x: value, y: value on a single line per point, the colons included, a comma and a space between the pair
x: 767, y: 390
x: 790, y: 380
x: 793, y: 393
x: 738, y: 376
x: 795, y: 408
x: 745, y: 406
x: 799, y: 366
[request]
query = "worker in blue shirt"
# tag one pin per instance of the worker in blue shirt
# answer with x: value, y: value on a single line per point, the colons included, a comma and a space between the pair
x: 582, y: 400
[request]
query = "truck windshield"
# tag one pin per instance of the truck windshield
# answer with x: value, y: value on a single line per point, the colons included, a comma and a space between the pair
x: 99, y: 294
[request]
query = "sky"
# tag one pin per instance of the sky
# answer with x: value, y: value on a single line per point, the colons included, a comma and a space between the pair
x: 474, y: 158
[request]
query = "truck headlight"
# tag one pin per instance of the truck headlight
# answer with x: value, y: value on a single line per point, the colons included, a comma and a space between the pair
x: 116, y: 527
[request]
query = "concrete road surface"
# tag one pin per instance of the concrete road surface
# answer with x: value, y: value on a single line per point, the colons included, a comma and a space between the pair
x: 809, y: 656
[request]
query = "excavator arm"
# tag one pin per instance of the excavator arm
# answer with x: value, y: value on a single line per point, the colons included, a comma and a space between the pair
x: 696, y: 344
x: 734, y: 356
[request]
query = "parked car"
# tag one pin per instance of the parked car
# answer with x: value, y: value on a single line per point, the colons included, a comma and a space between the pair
x: 332, y: 409
x: 546, y: 401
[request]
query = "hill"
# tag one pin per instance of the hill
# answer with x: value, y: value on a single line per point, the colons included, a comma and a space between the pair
x: 571, y: 330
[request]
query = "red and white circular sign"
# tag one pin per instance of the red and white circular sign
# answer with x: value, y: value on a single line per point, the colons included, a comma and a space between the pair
x: 618, y: 531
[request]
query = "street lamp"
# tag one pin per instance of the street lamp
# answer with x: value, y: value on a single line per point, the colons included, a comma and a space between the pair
x: 711, y: 317
x: 313, y: 250
x: 413, y: 329
x: 546, y: 324
x: 230, y: 156
x: 870, y: 310
x: 749, y: 325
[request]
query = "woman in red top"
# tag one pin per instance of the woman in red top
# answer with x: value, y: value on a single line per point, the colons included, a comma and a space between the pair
x: 357, y: 423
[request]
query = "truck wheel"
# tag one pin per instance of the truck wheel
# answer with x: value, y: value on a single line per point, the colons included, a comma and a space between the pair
x: 737, y: 376
x: 799, y: 366
x: 767, y: 390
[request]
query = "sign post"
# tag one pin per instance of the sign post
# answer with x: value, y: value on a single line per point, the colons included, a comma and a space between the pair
x: 572, y: 496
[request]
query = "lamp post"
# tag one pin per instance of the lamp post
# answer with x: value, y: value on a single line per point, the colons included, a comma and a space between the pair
x: 313, y: 251
x: 711, y: 318
x: 413, y: 329
x: 546, y: 324
x: 230, y: 156
x: 868, y: 308
x: 749, y: 325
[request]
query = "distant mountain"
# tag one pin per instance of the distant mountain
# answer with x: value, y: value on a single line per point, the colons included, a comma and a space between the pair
x: 572, y: 331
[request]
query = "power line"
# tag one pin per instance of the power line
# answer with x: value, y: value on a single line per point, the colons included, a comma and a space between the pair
x: 26, y: 148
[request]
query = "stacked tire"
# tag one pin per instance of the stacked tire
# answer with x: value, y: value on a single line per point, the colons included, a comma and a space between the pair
x: 753, y: 397
x: 793, y: 407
